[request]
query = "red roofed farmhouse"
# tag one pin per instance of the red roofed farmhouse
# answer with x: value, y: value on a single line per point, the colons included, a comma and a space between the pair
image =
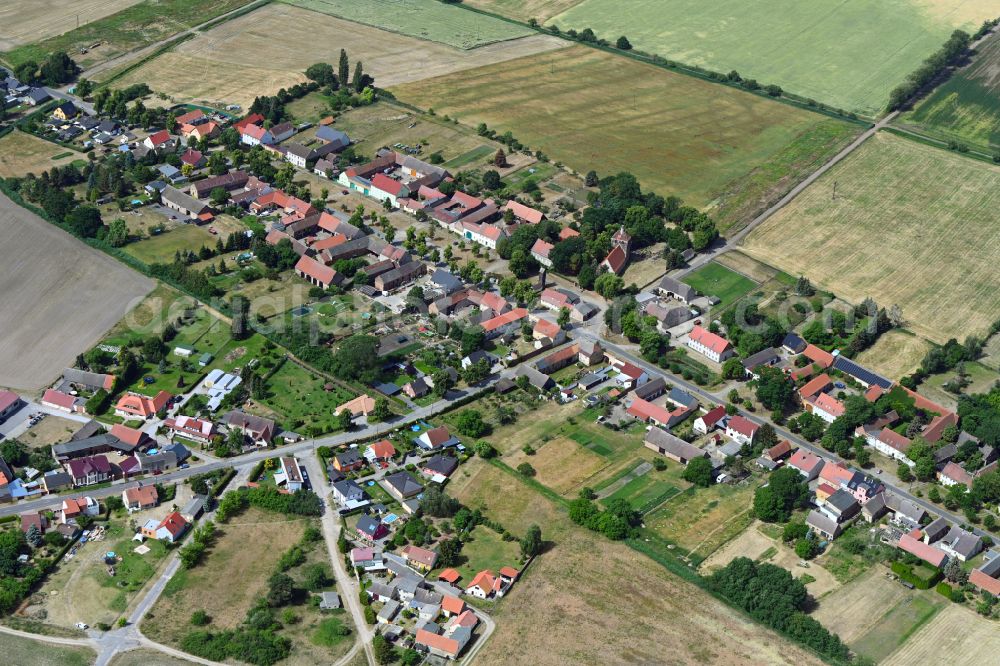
x: 715, y: 347
x: 133, y: 404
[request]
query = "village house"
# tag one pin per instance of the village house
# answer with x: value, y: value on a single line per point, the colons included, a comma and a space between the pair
x: 347, y: 461
x: 359, y: 406
x: 710, y: 345
x: 436, y: 439
x: 140, y: 498
x: 170, y: 529
x: 381, y: 451
x: 370, y: 529
x: 708, y: 421
x: 257, y: 430
x: 808, y: 464
x: 369, y: 559
x: 64, y: 402
x: 419, y: 558
x: 90, y: 470
x: 349, y: 494
x: 289, y: 474
x: 199, y: 430
x: 403, y: 486
x: 135, y: 405
x: 438, y: 466
x: 540, y: 251
x: 677, y: 290
x: 741, y: 429
x: 74, y: 507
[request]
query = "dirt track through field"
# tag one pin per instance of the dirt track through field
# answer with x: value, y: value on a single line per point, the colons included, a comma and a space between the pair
x: 57, y: 295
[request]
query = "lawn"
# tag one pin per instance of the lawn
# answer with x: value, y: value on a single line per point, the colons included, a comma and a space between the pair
x: 160, y: 249
x: 838, y: 52
x: 645, y: 492
x: 136, y: 26
x: 966, y: 107
x: 240, y: 59
x: 679, y: 135
x: 18, y: 650
x: 486, y: 550
x: 713, y: 279
x: 299, y: 396
x: 892, y: 629
x: 588, y: 600
x: 910, y: 224
x: 426, y: 19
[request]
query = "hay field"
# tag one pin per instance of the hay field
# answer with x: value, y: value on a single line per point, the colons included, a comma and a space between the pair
x: 241, y: 59
x: 524, y: 10
x: 30, y: 20
x: 956, y: 636
x: 850, y: 611
x: 847, y: 53
x: 135, y: 26
x: 678, y: 134
x: 426, y: 19
x: 22, y: 153
x: 894, y: 354
x: 966, y: 107
x: 588, y: 600
x: 911, y: 225
x: 57, y: 295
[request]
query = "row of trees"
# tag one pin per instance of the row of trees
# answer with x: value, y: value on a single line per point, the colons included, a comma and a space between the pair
x: 952, y: 53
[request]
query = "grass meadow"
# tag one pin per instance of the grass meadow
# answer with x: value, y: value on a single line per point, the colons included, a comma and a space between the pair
x: 716, y: 280
x: 848, y: 54
x: 910, y: 224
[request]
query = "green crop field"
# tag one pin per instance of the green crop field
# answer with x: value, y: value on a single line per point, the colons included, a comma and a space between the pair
x: 966, y: 107
x: 427, y: 19
x: 910, y: 224
x: 679, y: 135
x: 847, y: 53
x: 713, y: 279
x: 131, y: 28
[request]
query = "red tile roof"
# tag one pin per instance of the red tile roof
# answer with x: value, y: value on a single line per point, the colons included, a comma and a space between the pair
x: 956, y: 473
x: 805, y: 461
x: 504, y: 319
x: 616, y: 259
x: 316, y: 270
x: 58, y: 398
x: 647, y: 411
x: 437, y: 642
x: 128, y: 435
x: 702, y: 336
x: 143, y: 495
x: 713, y: 416
x: 829, y: 404
x: 541, y: 248
x: 984, y: 581
x: 420, y: 555
x: 894, y: 439
x: 386, y: 184
x: 252, y: 119
x: 835, y: 474
x: 449, y: 576
x: 438, y: 436
x: 925, y: 552
x: 526, y: 213
x: 815, y: 385
x: 818, y: 356
x: 779, y: 450
x: 450, y: 603
x: 191, y: 156
x: 143, y: 406
x: 383, y: 449
x: 190, y: 117
x: 742, y: 425
x: 159, y: 138
x: 567, y: 232
x: 173, y: 523
x: 549, y: 329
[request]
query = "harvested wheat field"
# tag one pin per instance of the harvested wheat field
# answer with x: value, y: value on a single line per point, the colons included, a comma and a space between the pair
x: 850, y: 611
x: 679, y: 135
x: 57, y: 295
x: 591, y: 601
x: 910, y: 224
x: 26, y: 21
x: 22, y: 153
x: 956, y: 636
x: 242, y: 59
